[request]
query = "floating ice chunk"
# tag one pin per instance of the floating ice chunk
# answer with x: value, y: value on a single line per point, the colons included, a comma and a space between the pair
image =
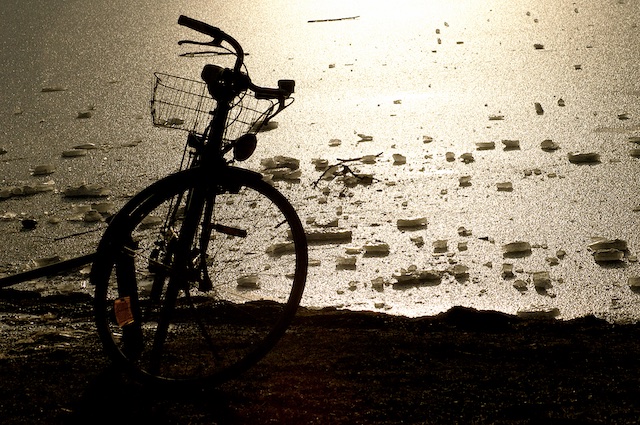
x: 417, y: 240
x: 86, y: 190
x: 496, y: 117
x: 364, y: 138
x: 623, y: 117
x: 251, y: 281
x: 3, y: 151
x: 334, y: 236
x: 151, y: 221
x: 399, y: 159
x: 459, y: 271
x: 553, y: 261
x: 103, y: 207
x: 541, y: 280
x: 335, y: 142
x: 348, y: 262
x: 51, y: 89
x: 634, y: 139
x: 86, y: 146
x: 353, y: 250
x: 378, y: 283
x: 504, y: 186
x: 467, y: 157
x: 539, y: 313
x: 280, y: 161
x: 507, y: 270
x: 42, y: 170
x: 518, y: 247
x: 8, y: 216
x: 72, y: 153
x: 284, y: 173
x: 538, y: 46
x: 92, y: 216
x: 413, y: 276
x: 320, y: 164
x: 464, y: 181
x: 427, y: 139
x: 84, y: 115
x: 47, y: 261
x: 549, y: 145
x: 173, y: 122
x: 369, y: 159
x: 483, y: 146
x: 379, y: 304
x: 561, y: 102
x: 411, y: 223
x: 17, y: 111
x: 603, y: 243
x: 462, y: 231
x: 376, y: 248
x: 539, y: 109
x: 463, y: 246
x: 607, y: 255
x: 584, y: 158
x: 520, y: 285
x: 440, y: 246
x: 511, y: 144
x: 281, y: 248
x: 634, y: 281
x: 635, y: 153
x: 450, y: 156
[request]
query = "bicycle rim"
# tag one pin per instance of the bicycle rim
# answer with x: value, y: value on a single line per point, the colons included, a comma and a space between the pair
x: 224, y: 309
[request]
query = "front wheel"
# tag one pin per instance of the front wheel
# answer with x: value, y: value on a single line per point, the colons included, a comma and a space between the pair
x: 196, y: 280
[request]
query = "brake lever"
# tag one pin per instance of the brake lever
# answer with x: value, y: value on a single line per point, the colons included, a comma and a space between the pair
x: 214, y: 42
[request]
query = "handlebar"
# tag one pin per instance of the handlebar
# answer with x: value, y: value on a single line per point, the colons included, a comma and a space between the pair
x: 285, y: 87
x: 218, y: 37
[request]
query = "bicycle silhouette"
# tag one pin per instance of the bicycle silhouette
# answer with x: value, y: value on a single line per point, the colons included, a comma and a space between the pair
x: 199, y: 275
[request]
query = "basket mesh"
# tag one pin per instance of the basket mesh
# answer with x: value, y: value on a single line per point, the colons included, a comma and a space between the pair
x: 184, y: 104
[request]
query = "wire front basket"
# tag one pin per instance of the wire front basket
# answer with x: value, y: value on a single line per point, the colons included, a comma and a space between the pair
x: 183, y: 104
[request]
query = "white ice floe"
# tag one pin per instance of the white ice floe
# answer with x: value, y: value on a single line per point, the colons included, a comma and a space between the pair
x: 42, y: 170
x: 464, y: 181
x: 483, y: 146
x: 344, y: 263
x: 86, y: 190
x: 549, y: 145
x: 331, y: 236
x: 73, y: 153
x: 603, y: 243
x: 584, y: 158
x: 411, y: 223
x: 539, y: 313
x: 608, y: 255
x: 281, y: 248
x: 399, y: 159
x: 376, y: 248
x: 414, y: 276
x: 518, y: 247
x: 541, y: 280
x: 504, y: 186
x: 251, y: 281
x: 511, y: 144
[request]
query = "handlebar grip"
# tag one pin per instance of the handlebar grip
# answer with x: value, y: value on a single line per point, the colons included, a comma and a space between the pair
x: 199, y: 26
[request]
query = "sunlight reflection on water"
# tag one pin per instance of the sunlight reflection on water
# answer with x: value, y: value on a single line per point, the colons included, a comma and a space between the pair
x: 399, y: 71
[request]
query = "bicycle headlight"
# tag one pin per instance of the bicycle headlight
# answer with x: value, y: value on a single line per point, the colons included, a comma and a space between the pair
x: 244, y: 147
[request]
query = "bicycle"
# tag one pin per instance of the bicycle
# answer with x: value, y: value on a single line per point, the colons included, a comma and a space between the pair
x: 200, y: 274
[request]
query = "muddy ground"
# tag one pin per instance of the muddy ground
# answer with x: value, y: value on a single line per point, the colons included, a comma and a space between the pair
x: 334, y: 367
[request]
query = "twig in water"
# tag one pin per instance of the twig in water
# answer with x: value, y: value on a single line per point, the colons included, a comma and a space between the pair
x: 332, y: 19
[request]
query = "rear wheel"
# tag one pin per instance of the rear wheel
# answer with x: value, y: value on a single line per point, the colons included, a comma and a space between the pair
x: 197, y: 282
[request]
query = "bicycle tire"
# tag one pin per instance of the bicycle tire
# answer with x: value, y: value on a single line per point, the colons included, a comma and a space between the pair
x: 231, y: 305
